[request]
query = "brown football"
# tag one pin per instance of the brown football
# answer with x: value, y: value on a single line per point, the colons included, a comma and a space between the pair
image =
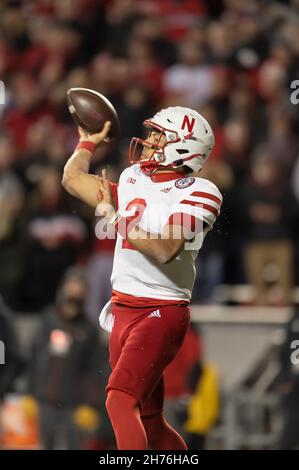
x: 90, y: 110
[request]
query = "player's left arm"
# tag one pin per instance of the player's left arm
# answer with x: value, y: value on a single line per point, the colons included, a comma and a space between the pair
x: 163, y: 249
x: 195, y: 213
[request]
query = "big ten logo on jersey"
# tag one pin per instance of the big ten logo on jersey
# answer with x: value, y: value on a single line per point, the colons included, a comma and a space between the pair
x: 131, y: 180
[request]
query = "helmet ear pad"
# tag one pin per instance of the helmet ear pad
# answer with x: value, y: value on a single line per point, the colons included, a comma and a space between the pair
x: 191, y: 154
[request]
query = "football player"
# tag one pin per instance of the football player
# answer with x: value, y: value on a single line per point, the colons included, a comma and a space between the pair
x: 164, y: 210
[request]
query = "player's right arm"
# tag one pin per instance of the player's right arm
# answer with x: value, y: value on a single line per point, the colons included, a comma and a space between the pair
x: 76, y: 179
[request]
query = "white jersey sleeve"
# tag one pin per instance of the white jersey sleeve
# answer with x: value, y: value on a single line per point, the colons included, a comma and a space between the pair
x: 202, y: 201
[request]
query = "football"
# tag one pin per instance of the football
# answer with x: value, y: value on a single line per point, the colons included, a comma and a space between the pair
x: 90, y: 110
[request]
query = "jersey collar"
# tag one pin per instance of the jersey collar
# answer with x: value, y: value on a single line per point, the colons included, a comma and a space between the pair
x: 166, y: 176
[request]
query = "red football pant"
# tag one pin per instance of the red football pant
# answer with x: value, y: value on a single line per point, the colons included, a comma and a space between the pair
x: 142, y: 343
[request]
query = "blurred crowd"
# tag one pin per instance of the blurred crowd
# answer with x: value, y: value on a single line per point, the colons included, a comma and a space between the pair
x: 234, y: 62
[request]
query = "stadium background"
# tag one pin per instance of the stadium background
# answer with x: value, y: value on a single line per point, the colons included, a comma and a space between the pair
x: 232, y: 61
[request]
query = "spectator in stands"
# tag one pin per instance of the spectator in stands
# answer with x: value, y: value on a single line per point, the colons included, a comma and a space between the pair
x: 145, y: 68
x: 28, y: 107
x: 135, y: 106
x: 8, y: 153
x: 65, y: 367
x: 237, y: 145
x: 271, y: 209
x: 151, y: 29
x: 190, y: 81
x: 12, y: 241
x: 55, y: 240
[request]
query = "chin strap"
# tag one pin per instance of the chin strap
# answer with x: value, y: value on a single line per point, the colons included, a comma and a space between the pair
x: 148, y: 168
x: 151, y: 166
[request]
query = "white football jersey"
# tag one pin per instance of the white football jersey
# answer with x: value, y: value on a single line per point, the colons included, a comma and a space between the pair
x: 138, y: 275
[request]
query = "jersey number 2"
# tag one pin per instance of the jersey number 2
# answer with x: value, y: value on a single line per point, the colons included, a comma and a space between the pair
x: 134, y: 211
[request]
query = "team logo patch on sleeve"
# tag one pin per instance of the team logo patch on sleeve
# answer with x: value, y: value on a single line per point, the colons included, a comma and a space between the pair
x: 183, y: 183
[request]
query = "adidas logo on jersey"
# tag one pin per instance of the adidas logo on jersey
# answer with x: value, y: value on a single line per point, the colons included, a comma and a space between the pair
x: 165, y: 190
x: 156, y: 313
